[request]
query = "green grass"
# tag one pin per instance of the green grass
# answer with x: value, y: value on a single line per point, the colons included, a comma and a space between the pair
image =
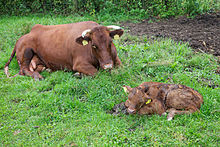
x: 64, y: 110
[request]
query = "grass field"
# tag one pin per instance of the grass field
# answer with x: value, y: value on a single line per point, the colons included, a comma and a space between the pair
x: 63, y: 110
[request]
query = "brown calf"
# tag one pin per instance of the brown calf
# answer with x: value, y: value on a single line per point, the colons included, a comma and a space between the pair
x: 158, y: 98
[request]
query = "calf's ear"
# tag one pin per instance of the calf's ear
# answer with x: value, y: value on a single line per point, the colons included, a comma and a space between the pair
x: 145, y: 88
x: 83, y: 40
x: 148, y: 101
x: 116, y: 34
x: 127, y: 89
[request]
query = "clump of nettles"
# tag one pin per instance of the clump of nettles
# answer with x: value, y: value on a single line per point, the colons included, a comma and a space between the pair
x: 119, y: 109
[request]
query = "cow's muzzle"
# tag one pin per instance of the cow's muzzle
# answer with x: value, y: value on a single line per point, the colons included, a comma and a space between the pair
x: 107, y: 66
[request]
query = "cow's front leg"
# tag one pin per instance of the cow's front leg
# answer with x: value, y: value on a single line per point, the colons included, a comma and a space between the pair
x: 86, y: 69
x: 117, y: 62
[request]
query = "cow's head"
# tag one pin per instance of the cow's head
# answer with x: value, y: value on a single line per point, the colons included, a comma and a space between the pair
x: 100, y: 40
x: 136, y: 99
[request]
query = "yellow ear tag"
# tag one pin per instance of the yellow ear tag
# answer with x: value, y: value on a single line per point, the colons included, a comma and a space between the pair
x: 84, y: 42
x: 116, y: 37
x: 148, y: 101
x: 125, y: 89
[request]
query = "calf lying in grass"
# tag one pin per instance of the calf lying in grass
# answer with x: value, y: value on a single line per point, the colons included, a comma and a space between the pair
x: 158, y: 98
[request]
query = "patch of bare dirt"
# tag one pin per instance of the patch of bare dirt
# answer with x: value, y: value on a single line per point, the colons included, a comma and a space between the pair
x: 202, y: 32
x: 119, y: 109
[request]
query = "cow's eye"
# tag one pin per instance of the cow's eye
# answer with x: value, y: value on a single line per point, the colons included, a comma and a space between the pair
x: 93, y: 46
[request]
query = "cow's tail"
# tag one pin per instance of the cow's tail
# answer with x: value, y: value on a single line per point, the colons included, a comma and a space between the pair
x: 9, y: 61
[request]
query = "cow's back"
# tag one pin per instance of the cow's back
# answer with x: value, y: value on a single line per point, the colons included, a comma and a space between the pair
x: 56, y: 45
x: 75, y: 28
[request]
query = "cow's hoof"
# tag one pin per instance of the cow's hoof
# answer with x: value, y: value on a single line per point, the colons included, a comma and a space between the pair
x: 78, y: 75
x: 38, y: 79
x: 37, y: 76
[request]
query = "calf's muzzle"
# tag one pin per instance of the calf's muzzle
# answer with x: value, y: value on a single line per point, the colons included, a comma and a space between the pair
x: 131, y: 111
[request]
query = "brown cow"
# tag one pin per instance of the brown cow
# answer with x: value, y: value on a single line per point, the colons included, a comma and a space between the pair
x: 158, y: 98
x: 81, y: 47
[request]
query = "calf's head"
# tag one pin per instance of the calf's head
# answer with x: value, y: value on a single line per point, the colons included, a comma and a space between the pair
x: 137, y: 97
x: 100, y: 40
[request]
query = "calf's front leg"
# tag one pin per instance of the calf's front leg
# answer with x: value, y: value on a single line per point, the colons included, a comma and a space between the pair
x: 28, y: 55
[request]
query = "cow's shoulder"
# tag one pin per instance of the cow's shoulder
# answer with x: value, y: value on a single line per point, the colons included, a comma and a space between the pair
x: 88, y: 22
x: 39, y: 27
x: 36, y: 27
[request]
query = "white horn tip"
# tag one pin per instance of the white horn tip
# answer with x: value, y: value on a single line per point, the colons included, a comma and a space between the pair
x: 85, y: 32
x: 113, y: 27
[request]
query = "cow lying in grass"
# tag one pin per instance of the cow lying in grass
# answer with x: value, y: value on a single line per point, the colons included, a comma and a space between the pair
x: 82, y: 47
x: 158, y: 98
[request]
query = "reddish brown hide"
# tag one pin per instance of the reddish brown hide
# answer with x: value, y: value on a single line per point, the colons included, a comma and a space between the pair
x: 158, y: 98
x: 82, y: 47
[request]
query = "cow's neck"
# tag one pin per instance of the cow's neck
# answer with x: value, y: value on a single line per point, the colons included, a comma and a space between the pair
x: 94, y: 60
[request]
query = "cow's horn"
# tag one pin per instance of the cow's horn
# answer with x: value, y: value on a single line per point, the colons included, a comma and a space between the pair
x: 85, y: 32
x: 114, y: 27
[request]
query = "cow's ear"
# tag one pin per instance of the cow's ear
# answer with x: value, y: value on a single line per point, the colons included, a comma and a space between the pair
x: 127, y: 89
x: 116, y: 33
x: 148, y: 100
x: 83, y: 41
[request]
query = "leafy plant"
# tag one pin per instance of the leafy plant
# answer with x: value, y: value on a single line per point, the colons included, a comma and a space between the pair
x: 111, y: 9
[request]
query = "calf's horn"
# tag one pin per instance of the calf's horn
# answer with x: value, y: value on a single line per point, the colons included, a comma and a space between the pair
x: 113, y: 27
x: 85, y: 32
